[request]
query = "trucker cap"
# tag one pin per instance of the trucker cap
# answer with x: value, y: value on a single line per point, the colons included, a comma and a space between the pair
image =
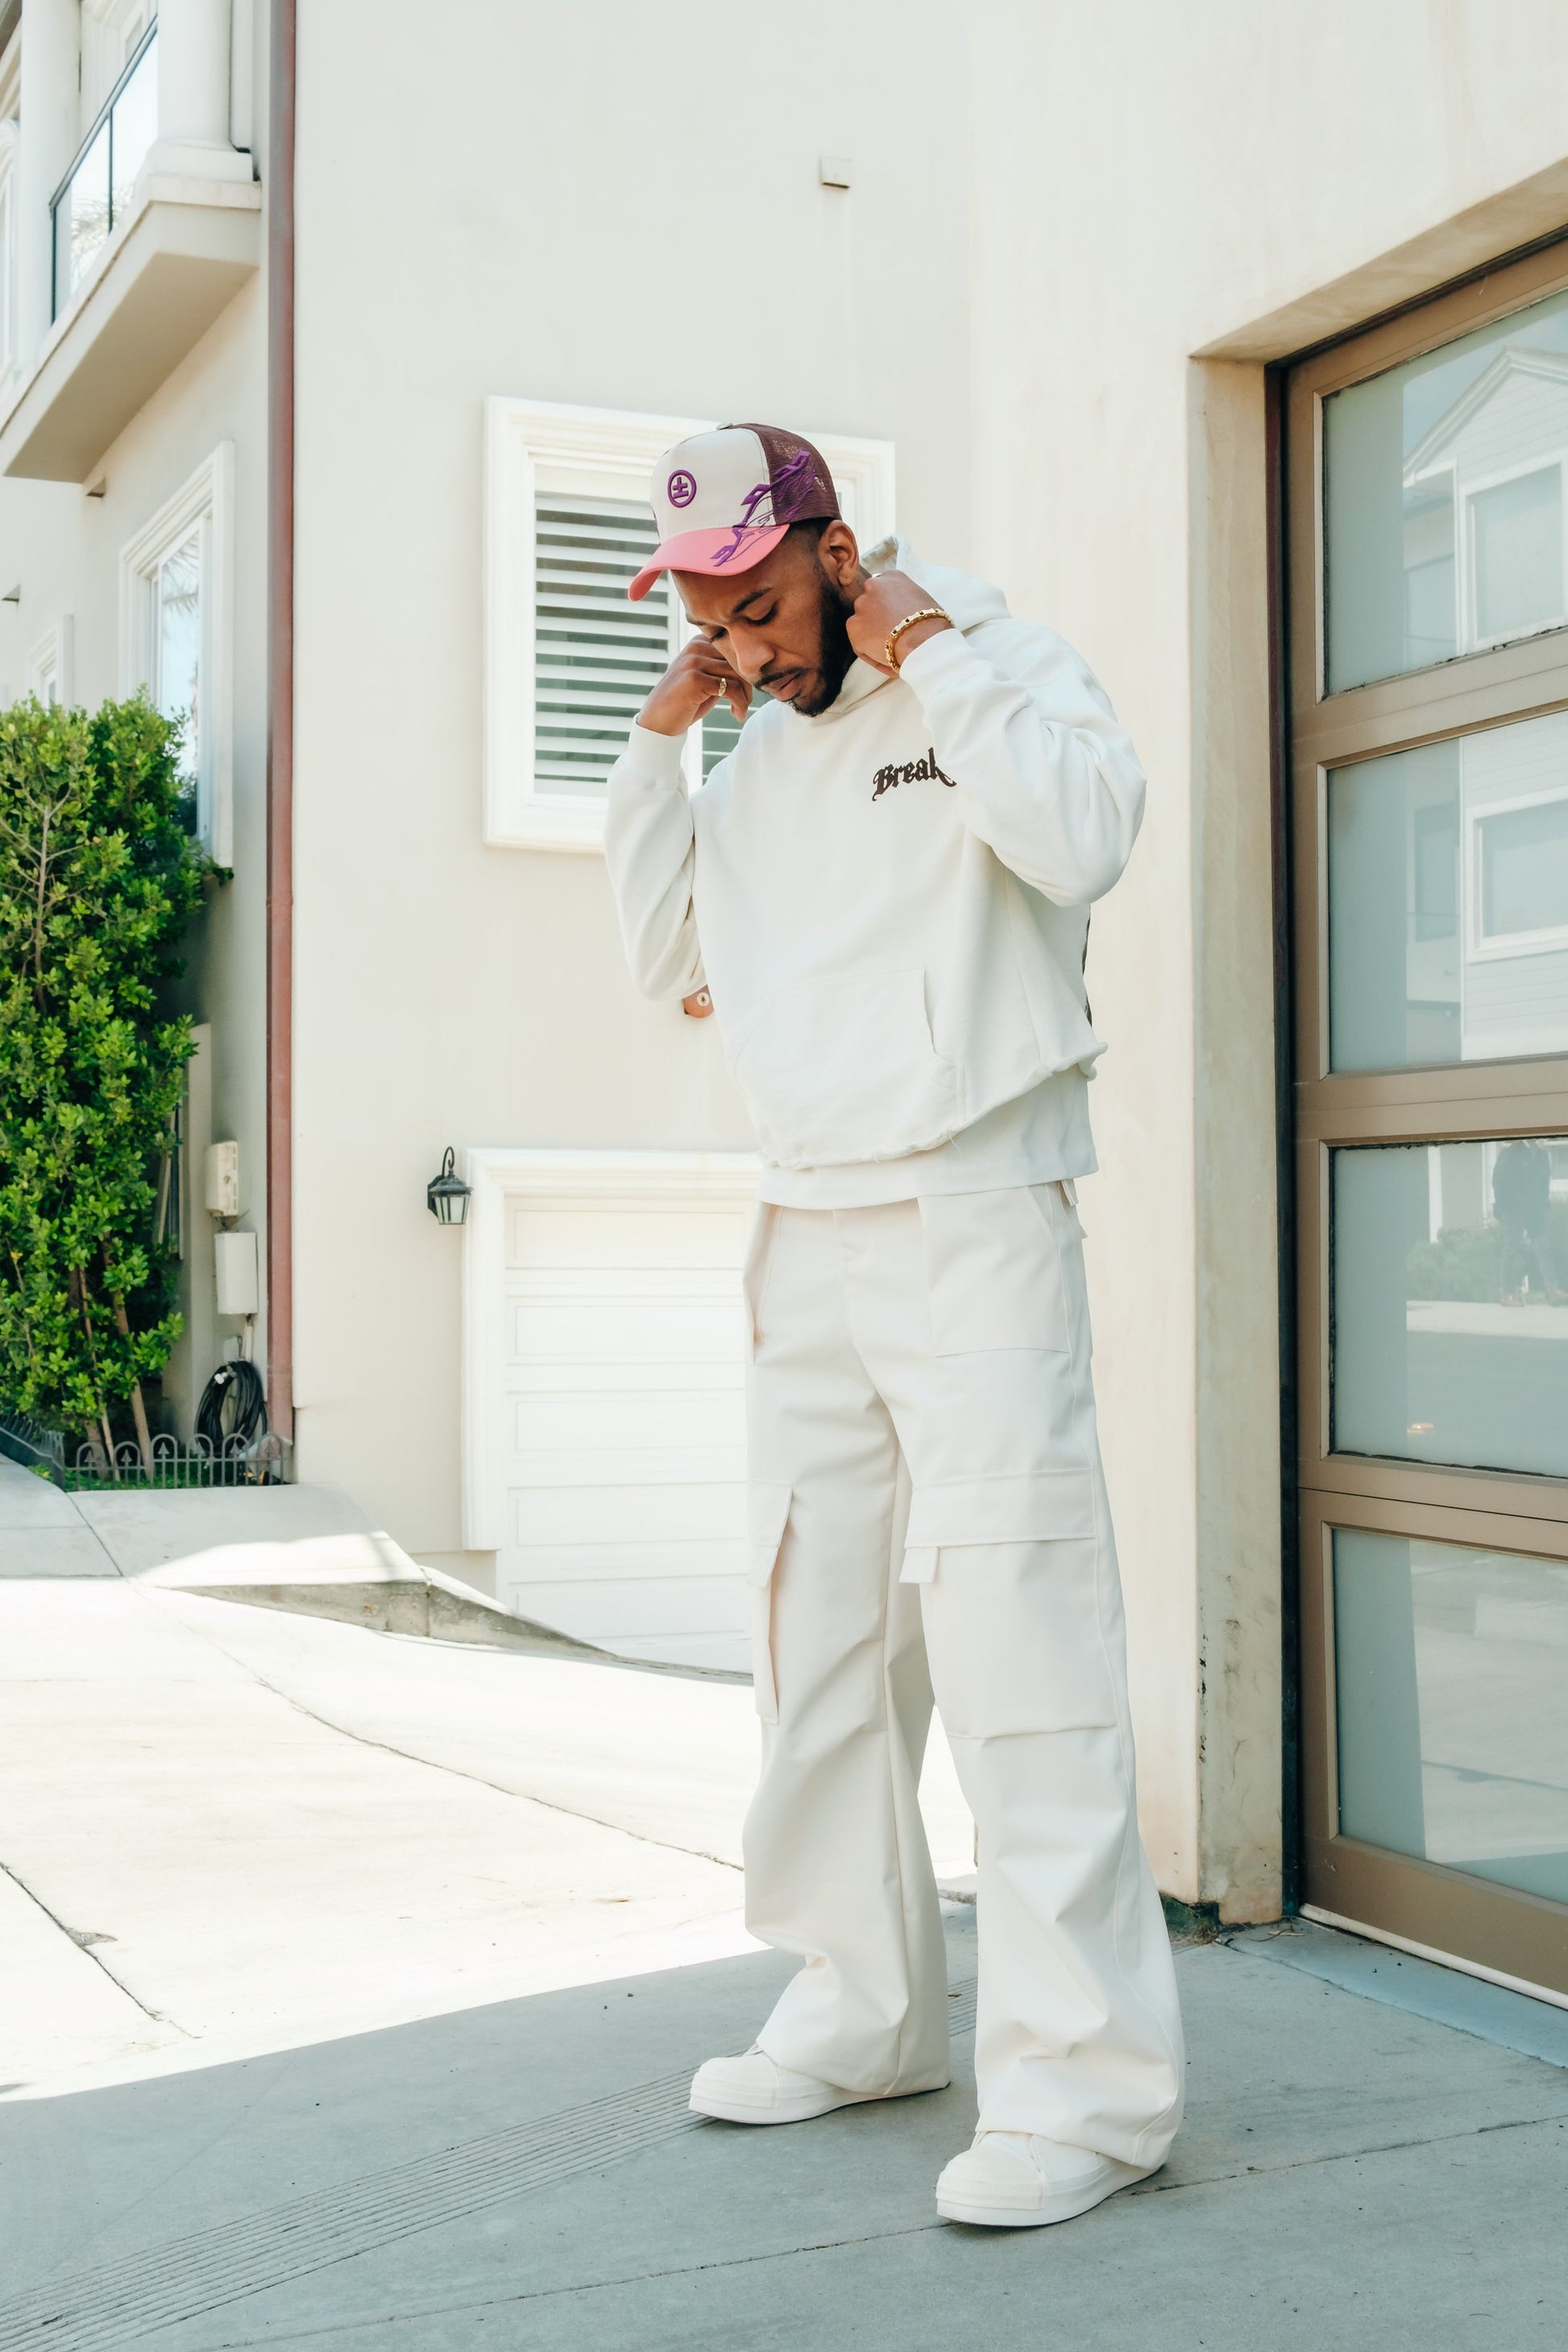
x: 724, y: 500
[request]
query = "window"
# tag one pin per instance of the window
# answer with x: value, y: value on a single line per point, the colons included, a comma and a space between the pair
x: 1516, y: 549
x: 1442, y: 499
x: 569, y: 660
x: 176, y: 634
x: 7, y: 249
x: 1522, y: 875
x: 10, y: 89
x: 596, y: 656
x: 50, y: 664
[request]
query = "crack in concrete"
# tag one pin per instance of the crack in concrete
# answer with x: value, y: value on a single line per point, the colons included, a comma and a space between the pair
x: 89, y: 1949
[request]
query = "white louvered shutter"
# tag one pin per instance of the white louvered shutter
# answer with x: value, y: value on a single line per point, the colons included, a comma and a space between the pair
x: 596, y: 656
x: 720, y: 733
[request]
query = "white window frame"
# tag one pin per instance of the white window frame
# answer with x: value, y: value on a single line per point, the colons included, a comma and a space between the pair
x: 1490, y: 946
x: 1457, y: 614
x: 1542, y: 463
x: 206, y: 498
x: 531, y: 445
x: 499, y: 1175
x: 7, y: 247
x: 51, y: 665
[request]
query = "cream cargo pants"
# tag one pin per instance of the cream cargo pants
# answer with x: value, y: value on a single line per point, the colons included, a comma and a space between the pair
x: 926, y: 1486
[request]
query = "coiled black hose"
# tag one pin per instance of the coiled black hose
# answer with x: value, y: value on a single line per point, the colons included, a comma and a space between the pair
x: 232, y: 1414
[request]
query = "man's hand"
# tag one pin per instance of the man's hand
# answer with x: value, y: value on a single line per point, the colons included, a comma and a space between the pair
x: 697, y: 680
x: 881, y: 605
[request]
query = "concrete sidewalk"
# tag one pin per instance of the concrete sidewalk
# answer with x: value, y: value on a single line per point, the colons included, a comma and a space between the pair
x: 525, y: 2174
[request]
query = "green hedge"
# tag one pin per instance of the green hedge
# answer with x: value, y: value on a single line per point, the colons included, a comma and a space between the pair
x: 98, y: 878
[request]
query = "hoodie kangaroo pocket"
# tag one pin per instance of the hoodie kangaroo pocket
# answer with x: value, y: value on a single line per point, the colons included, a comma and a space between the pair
x: 842, y: 1067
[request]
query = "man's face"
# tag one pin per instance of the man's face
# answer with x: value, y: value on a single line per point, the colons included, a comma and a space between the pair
x: 783, y: 624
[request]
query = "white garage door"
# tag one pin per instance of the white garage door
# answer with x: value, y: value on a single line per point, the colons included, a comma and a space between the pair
x: 623, y: 1451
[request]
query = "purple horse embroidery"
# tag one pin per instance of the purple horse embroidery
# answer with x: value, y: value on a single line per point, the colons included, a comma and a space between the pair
x: 788, y: 487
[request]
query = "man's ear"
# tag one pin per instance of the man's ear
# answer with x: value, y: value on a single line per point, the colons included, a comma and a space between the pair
x: 838, y: 553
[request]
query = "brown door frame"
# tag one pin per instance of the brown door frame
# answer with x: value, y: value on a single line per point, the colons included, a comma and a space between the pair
x: 1519, y: 1935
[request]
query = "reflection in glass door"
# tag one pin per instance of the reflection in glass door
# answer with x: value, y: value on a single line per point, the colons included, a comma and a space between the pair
x: 1428, y: 630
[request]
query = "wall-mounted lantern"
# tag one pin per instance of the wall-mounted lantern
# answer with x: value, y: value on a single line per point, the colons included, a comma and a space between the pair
x: 448, y: 1195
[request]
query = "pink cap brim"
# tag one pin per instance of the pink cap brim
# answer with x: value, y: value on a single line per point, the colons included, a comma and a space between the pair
x: 714, y: 551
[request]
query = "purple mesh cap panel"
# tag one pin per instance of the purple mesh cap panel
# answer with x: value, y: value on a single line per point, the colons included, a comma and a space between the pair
x: 802, y: 486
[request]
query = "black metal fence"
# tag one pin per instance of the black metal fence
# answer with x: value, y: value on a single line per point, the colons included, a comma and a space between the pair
x: 237, y: 1461
x: 176, y: 1462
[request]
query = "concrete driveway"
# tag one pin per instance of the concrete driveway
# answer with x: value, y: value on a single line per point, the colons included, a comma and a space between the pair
x: 352, y: 1984
x: 239, y: 1825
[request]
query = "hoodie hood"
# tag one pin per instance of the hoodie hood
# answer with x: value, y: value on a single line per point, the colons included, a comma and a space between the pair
x: 967, y: 603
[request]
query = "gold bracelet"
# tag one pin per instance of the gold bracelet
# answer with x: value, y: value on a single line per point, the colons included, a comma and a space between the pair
x: 927, y: 613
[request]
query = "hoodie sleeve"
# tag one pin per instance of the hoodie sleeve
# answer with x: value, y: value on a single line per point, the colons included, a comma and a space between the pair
x: 1040, y: 769
x: 649, y: 849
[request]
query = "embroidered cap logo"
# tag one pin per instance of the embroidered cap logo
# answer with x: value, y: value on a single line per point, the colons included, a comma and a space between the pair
x: 788, y: 488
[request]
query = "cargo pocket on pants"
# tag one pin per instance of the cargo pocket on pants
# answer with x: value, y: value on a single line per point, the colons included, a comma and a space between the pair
x: 767, y: 1515
x: 993, y: 1269
x: 1019, y: 1594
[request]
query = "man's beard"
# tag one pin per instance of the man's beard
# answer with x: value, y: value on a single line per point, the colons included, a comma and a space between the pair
x: 837, y: 656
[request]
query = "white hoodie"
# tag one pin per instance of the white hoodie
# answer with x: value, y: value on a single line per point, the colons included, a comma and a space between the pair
x: 889, y: 901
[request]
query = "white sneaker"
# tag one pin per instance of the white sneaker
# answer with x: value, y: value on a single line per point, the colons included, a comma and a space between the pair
x: 755, y: 2089
x: 1008, y: 2181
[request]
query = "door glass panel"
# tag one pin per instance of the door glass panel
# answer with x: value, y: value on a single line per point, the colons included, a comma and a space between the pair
x: 1449, y: 900
x: 1450, y: 1664
x: 1444, y: 500
x: 1449, y: 1340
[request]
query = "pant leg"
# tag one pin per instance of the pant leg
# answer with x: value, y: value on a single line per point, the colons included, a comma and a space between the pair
x: 837, y: 1868
x: 971, y: 1317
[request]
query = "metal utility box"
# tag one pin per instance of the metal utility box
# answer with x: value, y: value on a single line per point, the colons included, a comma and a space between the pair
x: 238, y: 1290
x: 221, y: 1180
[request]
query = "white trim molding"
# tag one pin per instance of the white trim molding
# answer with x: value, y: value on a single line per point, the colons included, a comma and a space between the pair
x: 544, y: 445
x: 205, y: 502
x: 51, y: 664
x: 498, y: 1174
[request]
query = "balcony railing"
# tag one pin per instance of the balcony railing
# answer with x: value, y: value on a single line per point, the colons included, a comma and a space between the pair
x: 96, y: 192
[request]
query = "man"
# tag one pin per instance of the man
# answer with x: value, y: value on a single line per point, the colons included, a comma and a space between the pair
x: 885, y: 887
x: 1521, y: 1203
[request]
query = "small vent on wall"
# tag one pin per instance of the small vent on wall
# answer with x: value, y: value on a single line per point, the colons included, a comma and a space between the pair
x: 596, y: 656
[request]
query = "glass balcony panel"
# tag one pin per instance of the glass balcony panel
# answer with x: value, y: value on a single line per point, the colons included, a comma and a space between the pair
x: 1450, y: 1303
x: 135, y: 118
x: 82, y: 218
x: 1444, y: 503
x: 1452, y: 1735
x: 1448, y: 901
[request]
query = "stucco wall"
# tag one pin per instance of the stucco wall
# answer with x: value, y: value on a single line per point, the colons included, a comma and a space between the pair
x: 629, y: 218
x: 1152, y: 184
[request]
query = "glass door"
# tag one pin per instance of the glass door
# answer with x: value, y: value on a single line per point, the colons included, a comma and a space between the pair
x: 1427, y: 553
